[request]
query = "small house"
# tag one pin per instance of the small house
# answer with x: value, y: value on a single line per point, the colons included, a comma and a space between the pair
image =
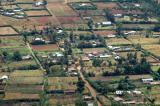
x: 119, y: 92
x: 87, y: 97
x: 39, y: 4
x: 117, y: 57
x: 90, y: 104
x: 28, y: 57
x: 107, y: 23
x: 147, y: 80
x: 85, y: 58
x: 137, y: 92
x: 104, y: 55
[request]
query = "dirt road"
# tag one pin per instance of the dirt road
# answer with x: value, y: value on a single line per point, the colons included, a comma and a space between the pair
x: 91, y: 89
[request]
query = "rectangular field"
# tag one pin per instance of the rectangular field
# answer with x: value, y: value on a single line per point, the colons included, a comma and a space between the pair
x: 35, y: 13
x: 49, y: 47
x: 117, y: 41
x: 7, y: 31
x: 61, y: 9
x: 155, y: 49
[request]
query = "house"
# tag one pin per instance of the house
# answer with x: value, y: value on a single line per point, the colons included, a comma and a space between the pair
x: 137, y: 92
x: 130, y: 32
x: 155, y: 83
x: 129, y: 102
x: 156, y: 34
x: 113, y: 48
x: 9, y: 13
x: 107, y: 23
x: 118, y: 99
x: 117, y: 13
x: 87, y: 18
x: 27, y: 57
x: 119, y: 92
x: 85, y: 58
x: 90, y: 104
x: 4, y: 77
x: 104, y: 55
x: 137, y: 5
x: 87, y: 97
x: 117, y: 57
x: 147, y: 80
x: 17, y: 9
x: 39, y: 3
x: 57, y: 54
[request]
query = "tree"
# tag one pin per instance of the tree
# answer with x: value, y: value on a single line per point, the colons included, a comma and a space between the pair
x: 109, y: 15
x: 5, y: 54
x: 97, y: 62
x: 17, y: 56
x: 72, y: 37
x: 90, y: 24
x: 80, y: 85
x: 80, y: 102
x: 119, y: 28
x: 125, y: 84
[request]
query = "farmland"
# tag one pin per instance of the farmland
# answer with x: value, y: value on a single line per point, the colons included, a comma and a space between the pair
x: 79, y: 53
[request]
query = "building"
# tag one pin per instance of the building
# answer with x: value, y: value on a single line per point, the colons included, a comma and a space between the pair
x: 147, y: 80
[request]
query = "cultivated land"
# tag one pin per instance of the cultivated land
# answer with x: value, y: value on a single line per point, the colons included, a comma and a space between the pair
x: 79, y: 53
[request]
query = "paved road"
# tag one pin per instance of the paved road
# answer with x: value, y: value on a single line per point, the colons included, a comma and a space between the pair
x: 91, y: 89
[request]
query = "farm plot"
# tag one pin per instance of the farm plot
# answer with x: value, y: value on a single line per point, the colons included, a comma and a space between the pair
x: 19, y: 65
x: 92, y: 50
x: 109, y: 5
x: 30, y: 89
x: 27, y: 73
x: 75, y: 26
x: 10, y: 6
x: 77, y: 33
x: 30, y: 6
x: 65, y: 100
x: 70, y: 20
x: 25, y: 80
x: 24, y: 1
x: 22, y: 49
x: 37, y: 13
x: 83, y: 6
x: 8, y: 41
x: 7, y: 31
x: 143, y: 40
x: 62, y: 83
x: 105, y: 33
x: 20, y: 96
x: 98, y: 71
x: 49, y: 47
x: 61, y: 9
x: 138, y: 26
x: 99, y: 19
x: 117, y: 41
x: 124, y: 54
x: 44, y: 20
x: 90, y: 13
x: 78, y: 1
x: 117, y: 78
x: 154, y: 93
x: 154, y: 49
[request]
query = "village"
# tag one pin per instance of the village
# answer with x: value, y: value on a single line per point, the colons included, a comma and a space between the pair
x: 79, y: 53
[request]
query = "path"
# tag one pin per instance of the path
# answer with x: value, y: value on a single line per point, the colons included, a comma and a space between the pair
x: 37, y: 61
x: 91, y: 89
